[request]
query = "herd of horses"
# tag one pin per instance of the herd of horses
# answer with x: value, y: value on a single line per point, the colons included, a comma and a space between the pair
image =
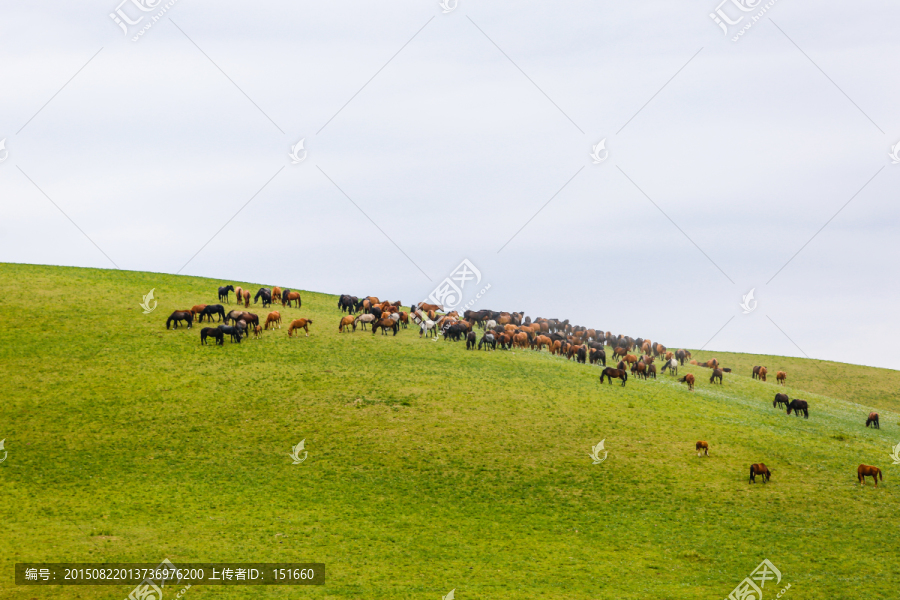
x: 508, y: 330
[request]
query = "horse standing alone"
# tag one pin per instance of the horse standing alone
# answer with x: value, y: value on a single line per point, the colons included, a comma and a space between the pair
x: 864, y: 471
x: 759, y: 469
x: 702, y: 447
x: 873, y: 420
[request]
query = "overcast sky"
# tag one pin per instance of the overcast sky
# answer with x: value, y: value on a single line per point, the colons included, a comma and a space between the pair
x: 433, y: 137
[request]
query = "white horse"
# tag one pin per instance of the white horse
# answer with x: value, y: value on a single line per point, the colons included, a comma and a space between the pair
x: 425, y: 325
x: 366, y: 318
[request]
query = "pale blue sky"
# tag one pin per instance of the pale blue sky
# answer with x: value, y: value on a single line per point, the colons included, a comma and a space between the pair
x: 745, y: 150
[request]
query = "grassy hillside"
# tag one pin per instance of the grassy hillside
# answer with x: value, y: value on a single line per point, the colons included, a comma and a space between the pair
x: 430, y: 468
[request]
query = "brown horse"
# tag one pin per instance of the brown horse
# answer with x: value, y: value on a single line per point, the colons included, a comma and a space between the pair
x: 873, y: 420
x: 689, y: 379
x: 620, y: 351
x: 246, y: 294
x: 429, y: 307
x: 197, y: 309
x: 298, y: 324
x: 404, y: 320
x: 759, y: 373
x: 348, y: 321
x: 780, y: 377
x: 863, y: 471
x: 781, y: 399
x: 288, y: 298
x: 702, y: 447
x: 712, y: 364
x: 716, y: 374
x: 273, y: 318
x: 759, y: 469
x: 276, y: 294
x: 639, y: 369
x: 385, y: 324
x: 614, y: 374
x: 631, y: 358
x: 257, y: 331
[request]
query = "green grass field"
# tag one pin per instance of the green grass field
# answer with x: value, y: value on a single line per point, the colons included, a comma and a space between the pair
x: 430, y: 468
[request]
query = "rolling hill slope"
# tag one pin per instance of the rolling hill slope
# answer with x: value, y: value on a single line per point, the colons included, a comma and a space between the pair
x: 430, y: 468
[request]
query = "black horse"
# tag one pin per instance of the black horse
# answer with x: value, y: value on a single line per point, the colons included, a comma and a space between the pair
x: 179, y: 316
x: 799, y: 406
x: 210, y: 310
x: 265, y: 294
x: 347, y: 303
x: 223, y: 293
x: 212, y: 332
x: 471, y: 340
x: 614, y: 373
x: 598, y: 356
x: 780, y: 399
x: 233, y: 331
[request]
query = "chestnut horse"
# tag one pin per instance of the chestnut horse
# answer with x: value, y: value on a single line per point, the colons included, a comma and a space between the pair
x: 702, y: 447
x: 759, y: 469
x: 246, y: 294
x: 298, y: 324
x: 273, y: 318
x: 873, y: 420
x: 197, y: 310
x: 689, y: 379
x: 348, y: 321
x: 780, y: 377
x: 759, y: 373
x: 611, y: 373
x: 276, y: 294
x: 864, y: 471
x: 288, y: 297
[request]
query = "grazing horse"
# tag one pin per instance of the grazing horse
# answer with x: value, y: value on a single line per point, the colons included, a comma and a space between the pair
x: 346, y: 303
x: 404, y: 320
x: 364, y: 319
x: 598, y: 355
x: 276, y: 294
x: 288, y: 297
x: 702, y: 447
x: 233, y: 316
x: 689, y: 379
x: 716, y: 374
x: 385, y: 324
x: 265, y: 294
x: 273, y: 318
x: 614, y: 374
x: 651, y: 371
x: 348, y: 321
x: 863, y: 471
x: 780, y: 399
x: 620, y: 351
x: 210, y: 310
x: 672, y: 365
x: 257, y: 331
x: 639, y: 369
x: 712, y: 364
x: 223, y: 293
x: 212, y: 332
x: 250, y: 318
x: 246, y: 294
x: 681, y: 355
x: 799, y: 406
x: 873, y: 420
x: 759, y: 373
x: 759, y: 469
x: 298, y: 324
x: 233, y: 331
x: 180, y: 315
x: 780, y: 377
x: 488, y: 340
